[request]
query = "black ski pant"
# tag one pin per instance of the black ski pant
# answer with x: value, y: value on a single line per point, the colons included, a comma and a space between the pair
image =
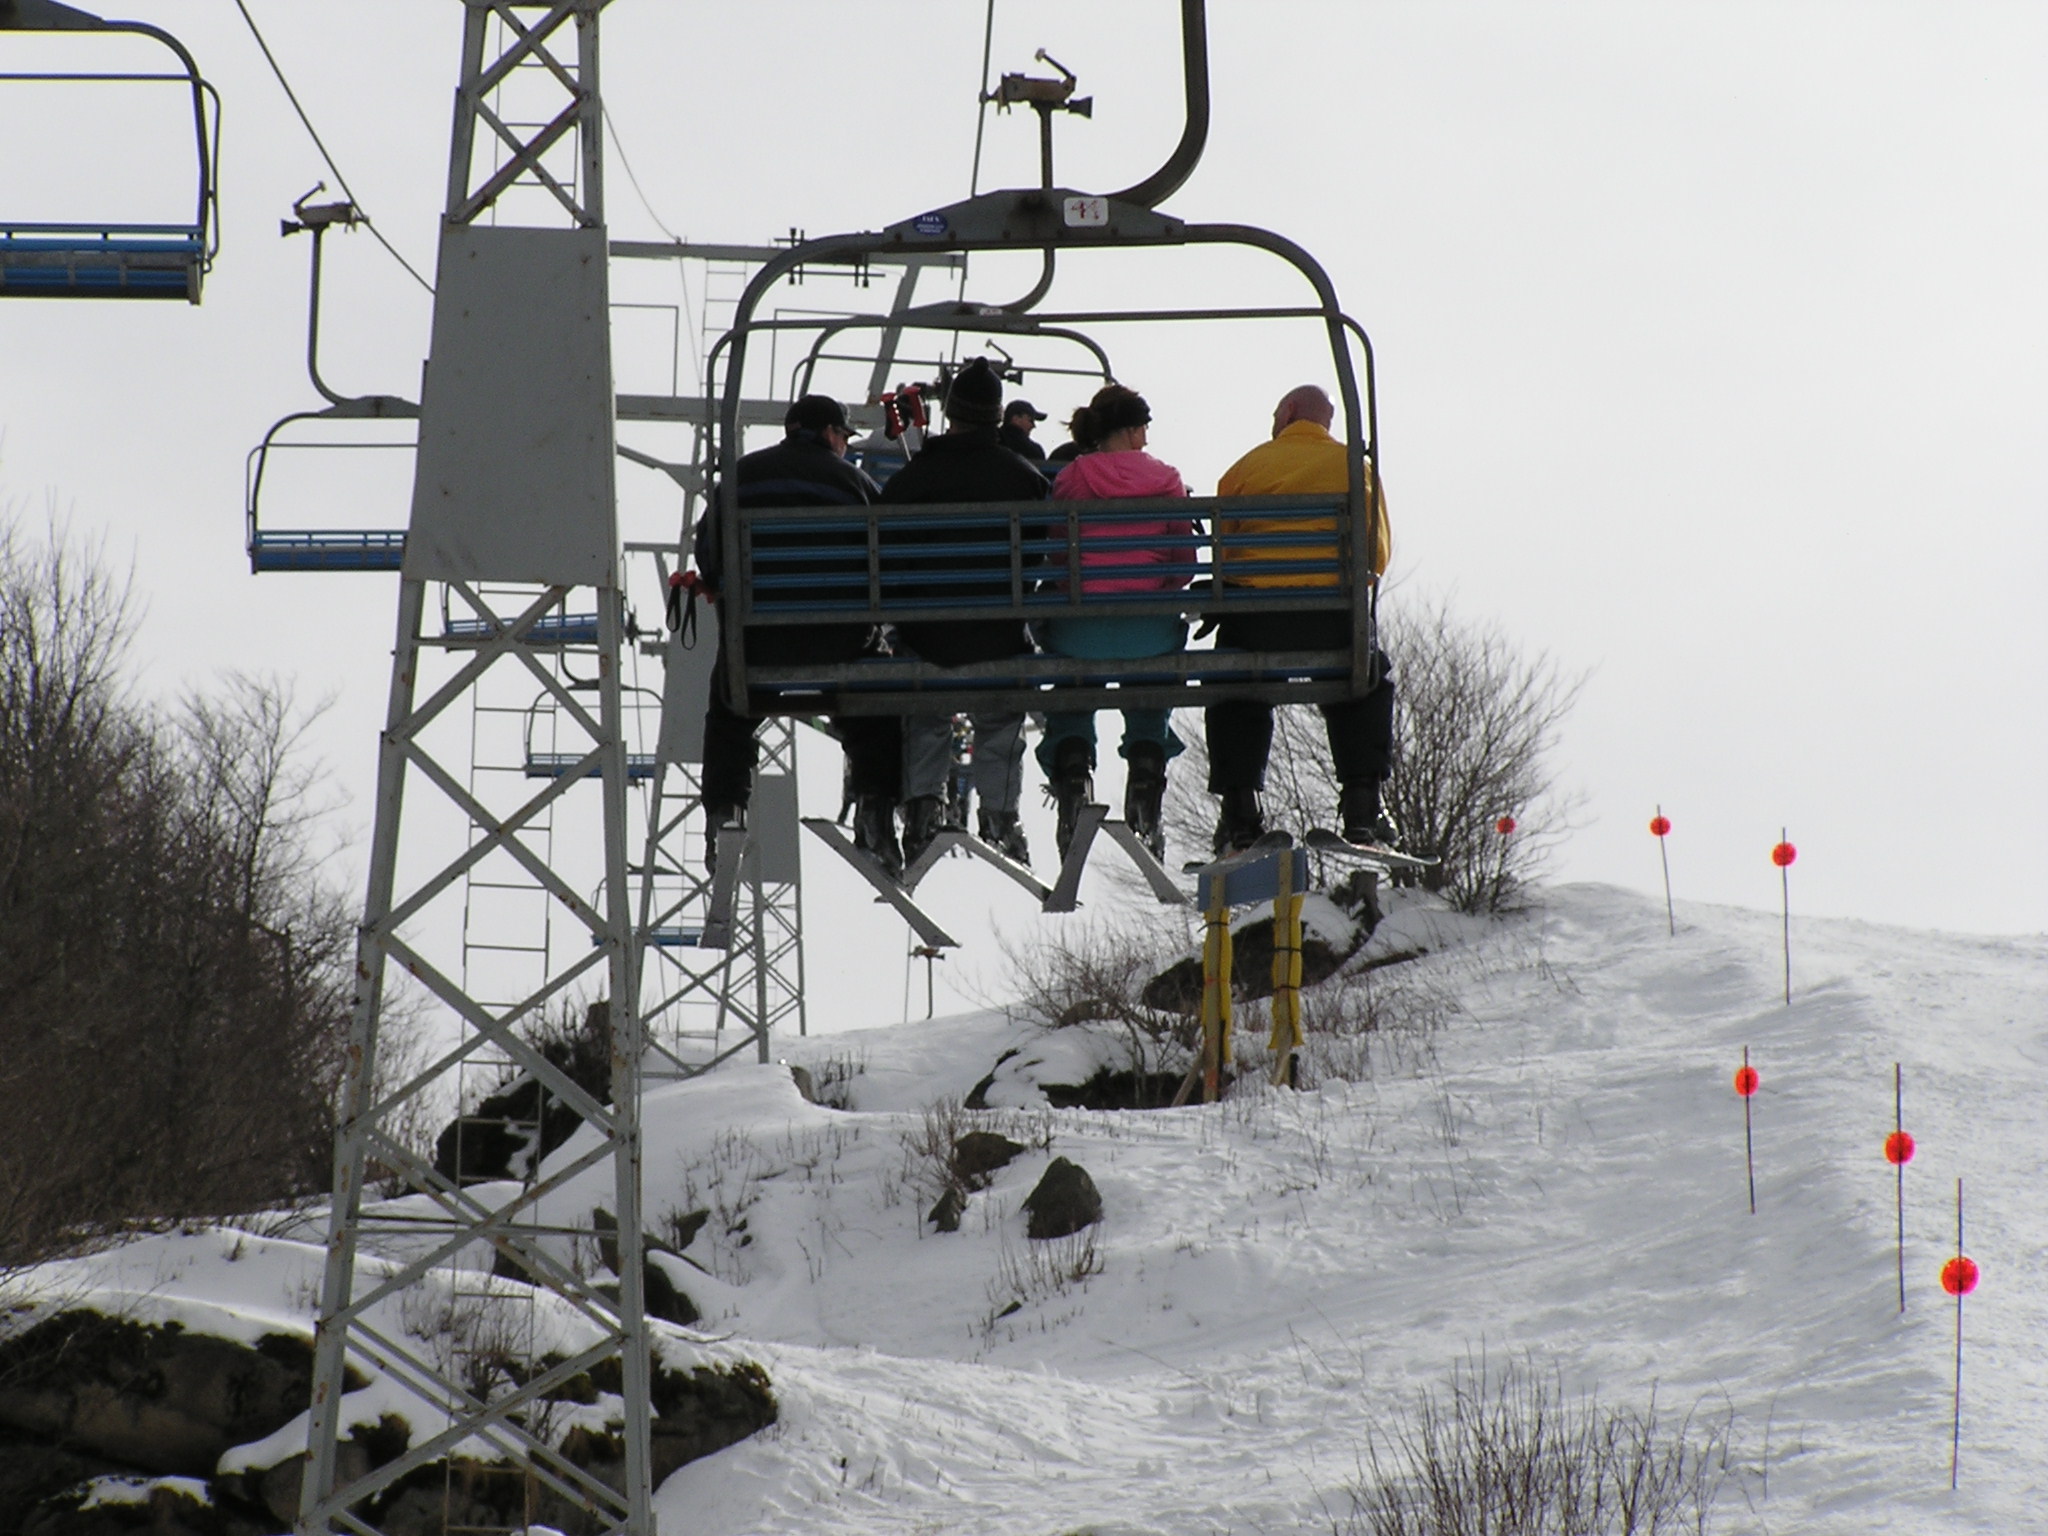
x: 873, y: 743
x: 1240, y: 731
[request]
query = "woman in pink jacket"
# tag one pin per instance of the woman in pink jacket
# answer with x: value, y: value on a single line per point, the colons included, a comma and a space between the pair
x: 1150, y: 554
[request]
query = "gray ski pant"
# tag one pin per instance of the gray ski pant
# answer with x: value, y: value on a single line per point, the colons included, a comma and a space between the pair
x: 998, y: 758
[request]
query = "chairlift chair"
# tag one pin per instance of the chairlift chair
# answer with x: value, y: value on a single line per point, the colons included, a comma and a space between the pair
x: 886, y: 581
x: 114, y: 259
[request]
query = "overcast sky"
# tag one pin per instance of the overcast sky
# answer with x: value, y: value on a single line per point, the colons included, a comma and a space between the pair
x: 1712, y: 346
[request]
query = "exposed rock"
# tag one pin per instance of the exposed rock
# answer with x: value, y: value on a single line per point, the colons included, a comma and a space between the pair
x: 977, y: 1096
x: 1065, y: 1201
x: 31, y: 1472
x: 115, y: 1506
x: 1111, y: 1089
x: 978, y: 1154
x: 807, y: 1089
x: 157, y: 1399
x: 707, y: 1410
x: 507, y: 1135
x: 687, y: 1226
x: 367, y: 1448
x: 1178, y: 988
x: 663, y: 1297
x: 952, y: 1205
x: 697, y: 1412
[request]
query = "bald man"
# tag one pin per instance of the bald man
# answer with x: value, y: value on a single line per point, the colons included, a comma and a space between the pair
x: 1302, y: 459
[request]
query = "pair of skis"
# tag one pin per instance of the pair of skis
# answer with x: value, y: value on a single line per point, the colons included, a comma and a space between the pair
x: 1064, y: 894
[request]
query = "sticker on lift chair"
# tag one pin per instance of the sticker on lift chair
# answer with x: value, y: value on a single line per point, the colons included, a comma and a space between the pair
x: 1086, y: 212
x: 929, y: 224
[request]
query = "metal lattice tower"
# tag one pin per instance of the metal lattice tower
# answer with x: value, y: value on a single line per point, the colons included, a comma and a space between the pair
x: 513, y: 512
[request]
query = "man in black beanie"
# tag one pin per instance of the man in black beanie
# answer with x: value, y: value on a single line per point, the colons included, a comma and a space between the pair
x: 966, y: 463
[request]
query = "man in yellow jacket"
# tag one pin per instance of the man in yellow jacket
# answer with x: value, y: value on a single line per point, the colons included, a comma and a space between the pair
x: 1302, y: 459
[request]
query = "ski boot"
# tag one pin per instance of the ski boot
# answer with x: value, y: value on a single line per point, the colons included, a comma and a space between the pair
x: 1360, y: 816
x: 1071, y: 787
x: 920, y: 825
x: 1002, y: 831
x: 874, y: 832
x: 1241, y: 824
x: 1144, y: 793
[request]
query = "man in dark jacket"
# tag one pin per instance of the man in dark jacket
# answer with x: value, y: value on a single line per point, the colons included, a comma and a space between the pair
x: 1019, y: 417
x: 807, y: 468
x: 967, y: 463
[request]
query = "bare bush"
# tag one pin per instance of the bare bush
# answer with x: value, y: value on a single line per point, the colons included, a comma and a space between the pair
x: 1507, y: 1452
x: 1041, y: 1270
x: 174, y: 975
x: 1097, y: 973
x: 1477, y: 720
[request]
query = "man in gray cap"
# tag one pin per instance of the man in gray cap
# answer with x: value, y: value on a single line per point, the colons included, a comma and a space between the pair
x: 807, y: 468
x: 965, y: 463
x: 1019, y: 417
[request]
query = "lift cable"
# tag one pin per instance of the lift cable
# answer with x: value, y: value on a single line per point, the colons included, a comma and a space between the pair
x: 689, y: 319
x: 988, y: 38
x: 340, y: 180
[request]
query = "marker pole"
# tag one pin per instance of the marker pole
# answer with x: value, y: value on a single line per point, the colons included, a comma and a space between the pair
x: 1662, y: 827
x: 1746, y: 1084
x: 1785, y: 895
x: 1900, y: 1153
x: 1958, y: 1278
x: 1963, y: 1281
x: 1782, y: 855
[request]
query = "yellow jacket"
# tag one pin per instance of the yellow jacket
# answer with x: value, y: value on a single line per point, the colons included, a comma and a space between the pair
x: 1304, y: 460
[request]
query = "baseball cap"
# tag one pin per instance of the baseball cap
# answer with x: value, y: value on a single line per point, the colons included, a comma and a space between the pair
x: 813, y: 413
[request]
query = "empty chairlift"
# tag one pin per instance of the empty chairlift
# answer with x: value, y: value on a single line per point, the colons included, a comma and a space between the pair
x: 99, y: 257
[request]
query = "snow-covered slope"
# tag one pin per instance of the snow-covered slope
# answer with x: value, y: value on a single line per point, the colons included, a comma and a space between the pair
x: 1552, y: 1174
x: 1557, y: 1176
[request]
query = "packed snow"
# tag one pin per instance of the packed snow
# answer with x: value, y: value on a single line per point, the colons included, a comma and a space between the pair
x: 1539, y: 1159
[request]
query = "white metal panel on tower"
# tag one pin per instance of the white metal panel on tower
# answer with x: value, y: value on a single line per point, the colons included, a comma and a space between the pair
x: 773, y: 820
x: 685, y: 694
x: 515, y: 478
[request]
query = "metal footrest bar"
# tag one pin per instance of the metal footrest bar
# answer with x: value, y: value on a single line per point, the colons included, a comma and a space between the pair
x: 834, y: 837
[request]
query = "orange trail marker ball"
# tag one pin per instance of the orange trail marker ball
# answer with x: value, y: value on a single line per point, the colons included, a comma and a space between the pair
x: 1746, y: 1081
x: 1782, y: 855
x: 1505, y: 825
x: 1898, y: 1147
x: 1660, y: 827
x: 1959, y: 1276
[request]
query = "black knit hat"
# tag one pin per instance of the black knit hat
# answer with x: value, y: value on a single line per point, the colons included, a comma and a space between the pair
x: 975, y: 398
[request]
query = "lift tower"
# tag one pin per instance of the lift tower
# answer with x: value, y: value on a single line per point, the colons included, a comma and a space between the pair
x: 513, y: 511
